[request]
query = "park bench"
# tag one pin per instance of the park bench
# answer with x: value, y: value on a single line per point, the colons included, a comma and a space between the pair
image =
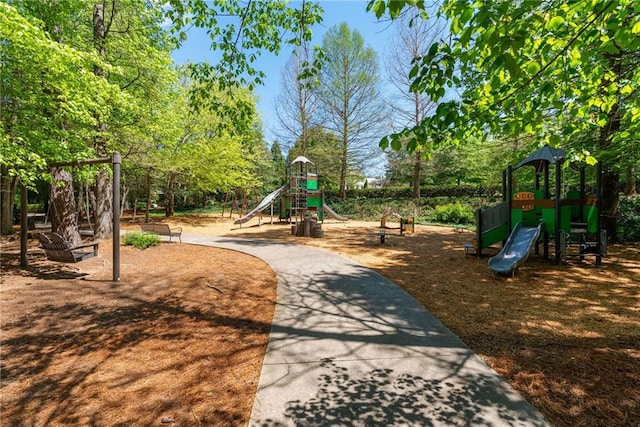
x: 162, y: 230
x: 56, y: 248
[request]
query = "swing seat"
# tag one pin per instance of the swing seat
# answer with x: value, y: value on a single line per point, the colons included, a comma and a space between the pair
x: 58, y: 249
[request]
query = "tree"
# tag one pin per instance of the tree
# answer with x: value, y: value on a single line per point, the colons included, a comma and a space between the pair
x: 414, y: 36
x: 278, y: 164
x: 199, y: 149
x: 321, y: 147
x: 241, y: 31
x: 351, y: 106
x: 558, y: 71
x: 128, y: 35
x: 129, y: 56
x: 297, y: 105
x: 49, y: 95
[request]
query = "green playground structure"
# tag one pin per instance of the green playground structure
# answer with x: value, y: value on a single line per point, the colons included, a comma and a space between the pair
x: 301, y: 200
x: 572, y: 220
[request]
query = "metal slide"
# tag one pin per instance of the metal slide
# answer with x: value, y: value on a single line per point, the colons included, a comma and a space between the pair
x: 333, y: 213
x: 261, y: 206
x: 516, y: 250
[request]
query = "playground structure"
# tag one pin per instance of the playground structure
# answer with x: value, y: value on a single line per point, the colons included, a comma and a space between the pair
x: 524, y: 218
x: 301, y: 201
x: 407, y: 225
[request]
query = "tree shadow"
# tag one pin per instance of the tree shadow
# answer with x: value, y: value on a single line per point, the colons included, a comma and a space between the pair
x: 79, y: 346
x: 385, y: 397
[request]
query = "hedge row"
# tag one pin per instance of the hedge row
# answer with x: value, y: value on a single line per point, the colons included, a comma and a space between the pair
x: 426, y: 191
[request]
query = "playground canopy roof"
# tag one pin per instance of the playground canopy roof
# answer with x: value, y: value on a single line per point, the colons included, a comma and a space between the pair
x: 545, y: 154
x: 302, y: 159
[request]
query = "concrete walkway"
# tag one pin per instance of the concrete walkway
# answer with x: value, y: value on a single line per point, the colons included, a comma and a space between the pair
x: 349, y: 348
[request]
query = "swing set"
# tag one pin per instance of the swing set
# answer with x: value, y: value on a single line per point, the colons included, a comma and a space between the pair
x: 115, y: 160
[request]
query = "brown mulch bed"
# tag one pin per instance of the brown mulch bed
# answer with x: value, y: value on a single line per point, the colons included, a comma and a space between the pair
x: 179, y: 339
x: 160, y: 342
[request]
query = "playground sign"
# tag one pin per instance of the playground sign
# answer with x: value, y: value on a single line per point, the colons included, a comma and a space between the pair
x: 525, y: 195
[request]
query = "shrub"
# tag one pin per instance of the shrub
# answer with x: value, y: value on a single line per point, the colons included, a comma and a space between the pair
x: 141, y: 240
x: 453, y: 213
x: 629, y: 220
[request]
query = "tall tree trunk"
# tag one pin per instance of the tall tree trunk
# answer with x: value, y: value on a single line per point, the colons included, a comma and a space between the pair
x: 123, y: 203
x: 63, y: 206
x: 417, y: 166
x: 104, y: 187
x: 103, y: 228
x: 224, y: 203
x: 610, y: 182
x: 7, y: 189
x: 630, y: 189
x: 343, y: 171
x: 8, y: 184
x: 170, y: 209
x: 146, y: 211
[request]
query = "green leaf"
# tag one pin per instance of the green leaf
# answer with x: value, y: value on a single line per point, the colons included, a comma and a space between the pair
x: 379, y: 8
x: 554, y: 23
x: 396, y: 144
x: 466, y: 15
x: 394, y: 8
x: 384, y: 143
x: 414, y: 71
x: 433, y: 49
x: 511, y: 65
x: 533, y: 68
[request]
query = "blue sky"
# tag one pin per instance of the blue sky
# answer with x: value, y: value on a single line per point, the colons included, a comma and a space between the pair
x: 376, y: 35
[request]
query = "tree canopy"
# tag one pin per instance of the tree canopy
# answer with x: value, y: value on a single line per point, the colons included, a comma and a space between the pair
x: 565, y: 73
x: 554, y: 69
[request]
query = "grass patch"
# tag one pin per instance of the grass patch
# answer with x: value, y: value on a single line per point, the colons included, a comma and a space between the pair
x: 141, y: 240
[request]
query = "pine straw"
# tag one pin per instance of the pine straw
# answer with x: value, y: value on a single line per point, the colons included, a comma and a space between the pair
x: 180, y: 338
x: 566, y: 337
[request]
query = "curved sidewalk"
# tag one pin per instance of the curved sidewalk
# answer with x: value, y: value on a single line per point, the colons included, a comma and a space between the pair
x: 348, y: 347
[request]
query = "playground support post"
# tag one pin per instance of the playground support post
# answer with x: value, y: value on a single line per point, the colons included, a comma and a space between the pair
x: 504, y: 185
x: 23, y: 227
x: 599, y: 241
x: 509, y: 196
x: 558, y: 217
x: 116, y: 160
x: 479, y: 229
x: 547, y: 195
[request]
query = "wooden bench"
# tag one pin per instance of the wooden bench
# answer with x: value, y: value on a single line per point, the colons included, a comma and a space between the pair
x: 58, y: 249
x: 162, y: 230
x: 459, y: 228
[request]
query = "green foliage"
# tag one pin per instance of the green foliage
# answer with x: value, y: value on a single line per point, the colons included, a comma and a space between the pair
x: 141, y: 240
x: 370, y: 208
x: 321, y: 147
x: 49, y: 97
x: 426, y: 192
x: 514, y: 62
x: 265, y: 26
x: 454, y: 213
x: 629, y: 223
x: 350, y: 99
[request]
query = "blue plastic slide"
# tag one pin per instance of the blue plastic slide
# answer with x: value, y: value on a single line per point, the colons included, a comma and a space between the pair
x: 516, y: 250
